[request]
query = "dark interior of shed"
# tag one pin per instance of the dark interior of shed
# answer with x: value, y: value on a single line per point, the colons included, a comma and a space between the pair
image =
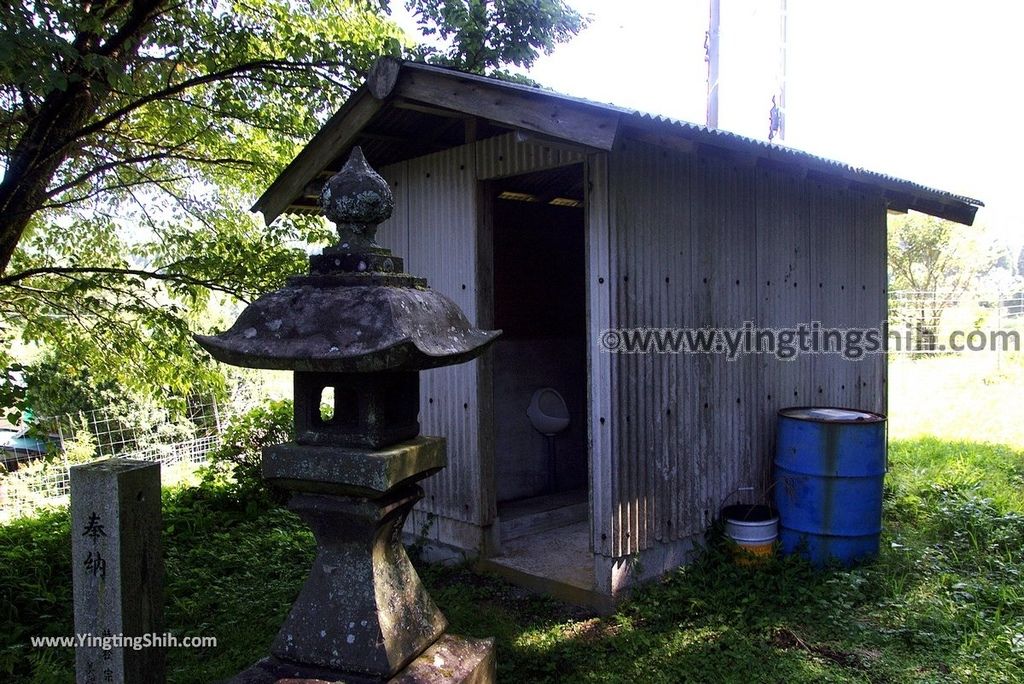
x: 540, y: 304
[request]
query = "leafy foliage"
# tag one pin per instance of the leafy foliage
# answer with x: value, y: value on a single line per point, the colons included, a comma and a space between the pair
x: 213, y: 545
x: 133, y: 135
x: 938, y: 261
x: 12, y: 383
x: 241, y: 447
x: 58, y: 387
x: 35, y: 593
x: 478, y: 34
x: 931, y: 254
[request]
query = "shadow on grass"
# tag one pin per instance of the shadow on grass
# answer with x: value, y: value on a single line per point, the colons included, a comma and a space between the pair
x: 943, y: 601
x: 713, y: 621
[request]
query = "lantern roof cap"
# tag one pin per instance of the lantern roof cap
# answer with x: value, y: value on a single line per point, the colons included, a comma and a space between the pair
x: 357, y: 311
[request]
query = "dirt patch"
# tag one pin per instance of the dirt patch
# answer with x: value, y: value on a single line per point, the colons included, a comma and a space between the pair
x: 589, y: 631
x: 787, y: 639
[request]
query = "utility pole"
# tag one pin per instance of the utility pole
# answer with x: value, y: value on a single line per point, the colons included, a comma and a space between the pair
x: 711, y: 57
x: 777, y: 126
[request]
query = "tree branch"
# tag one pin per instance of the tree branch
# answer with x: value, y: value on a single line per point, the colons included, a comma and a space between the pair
x: 71, y: 271
x: 120, y: 185
x: 156, y: 156
x: 142, y: 11
x: 225, y: 74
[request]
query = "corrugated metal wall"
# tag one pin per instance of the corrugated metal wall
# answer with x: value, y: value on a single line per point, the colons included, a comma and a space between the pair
x: 503, y: 156
x: 688, y: 429
x: 667, y: 236
x: 435, y: 227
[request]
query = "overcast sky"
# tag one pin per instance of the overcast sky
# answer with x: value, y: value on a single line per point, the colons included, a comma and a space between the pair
x: 928, y: 90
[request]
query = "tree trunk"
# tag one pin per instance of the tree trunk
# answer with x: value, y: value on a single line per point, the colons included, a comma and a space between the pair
x: 51, y: 133
x: 42, y: 149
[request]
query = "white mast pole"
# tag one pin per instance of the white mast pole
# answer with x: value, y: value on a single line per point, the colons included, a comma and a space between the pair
x: 711, y: 57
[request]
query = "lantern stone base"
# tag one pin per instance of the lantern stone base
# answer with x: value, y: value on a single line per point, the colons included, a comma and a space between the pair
x: 363, y: 613
x: 450, y: 660
x: 363, y: 607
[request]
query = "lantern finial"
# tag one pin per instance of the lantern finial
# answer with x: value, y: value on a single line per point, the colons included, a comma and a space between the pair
x: 356, y: 199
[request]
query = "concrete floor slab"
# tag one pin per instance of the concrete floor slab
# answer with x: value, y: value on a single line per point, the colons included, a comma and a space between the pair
x: 509, y: 510
x: 556, y: 562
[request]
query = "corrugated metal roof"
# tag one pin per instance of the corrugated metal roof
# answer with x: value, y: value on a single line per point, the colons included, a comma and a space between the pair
x: 700, y: 133
x: 389, y: 136
x: 789, y: 152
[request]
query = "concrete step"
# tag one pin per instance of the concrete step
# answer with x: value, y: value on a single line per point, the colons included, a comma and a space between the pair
x: 539, y: 514
x: 557, y: 562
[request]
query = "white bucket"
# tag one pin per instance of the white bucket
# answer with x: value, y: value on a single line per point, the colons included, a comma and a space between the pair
x: 754, y: 528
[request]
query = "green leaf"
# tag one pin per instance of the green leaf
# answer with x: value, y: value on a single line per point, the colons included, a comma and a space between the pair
x: 159, y: 181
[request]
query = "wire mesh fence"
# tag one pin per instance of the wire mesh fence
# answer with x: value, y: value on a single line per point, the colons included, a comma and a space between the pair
x: 928, y: 320
x: 36, y: 461
x: 1013, y: 306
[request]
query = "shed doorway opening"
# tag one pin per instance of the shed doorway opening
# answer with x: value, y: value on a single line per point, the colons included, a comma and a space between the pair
x: 541, y: 481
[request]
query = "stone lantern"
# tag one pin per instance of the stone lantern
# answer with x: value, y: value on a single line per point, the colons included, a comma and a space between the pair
x: 360, y: 325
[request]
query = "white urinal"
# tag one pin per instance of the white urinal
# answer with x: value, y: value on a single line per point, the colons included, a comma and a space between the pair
x: 549, y: 416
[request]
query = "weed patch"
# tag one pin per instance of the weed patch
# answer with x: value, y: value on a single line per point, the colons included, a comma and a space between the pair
x: 943, y: 602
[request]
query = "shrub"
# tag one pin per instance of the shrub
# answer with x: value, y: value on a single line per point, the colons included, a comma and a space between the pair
x: 241, y: 447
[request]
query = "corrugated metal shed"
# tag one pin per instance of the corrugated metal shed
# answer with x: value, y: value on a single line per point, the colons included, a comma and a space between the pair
x: 684, y: 227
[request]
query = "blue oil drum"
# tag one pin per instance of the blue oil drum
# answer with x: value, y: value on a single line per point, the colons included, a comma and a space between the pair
x: 829, y: 469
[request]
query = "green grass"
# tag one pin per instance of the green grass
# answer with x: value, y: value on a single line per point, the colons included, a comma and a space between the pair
x: 231, y: 572
x: 944, y: 602
x: 973, y: 398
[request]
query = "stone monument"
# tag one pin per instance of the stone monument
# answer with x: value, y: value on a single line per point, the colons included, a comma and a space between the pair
x: 117, y: 571
x: 360, y: 325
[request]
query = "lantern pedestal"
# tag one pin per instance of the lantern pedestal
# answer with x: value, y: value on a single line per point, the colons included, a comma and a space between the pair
x: 363, y: 608
x: 363, y: 614
x: 360, y: 330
